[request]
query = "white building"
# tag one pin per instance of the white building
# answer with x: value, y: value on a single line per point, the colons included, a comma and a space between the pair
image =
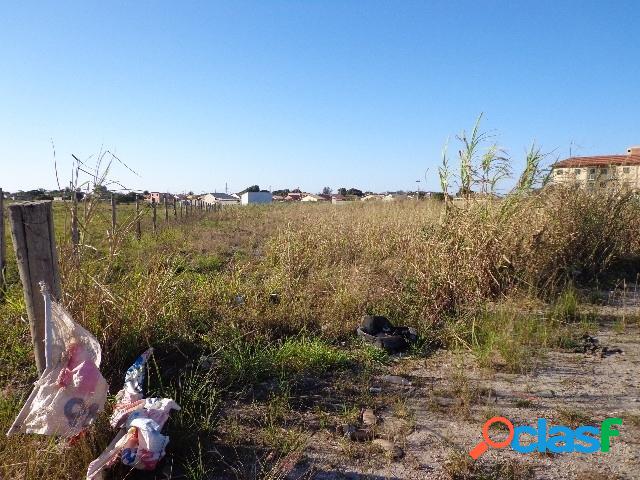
x: 250, y: 198
x: 219, y: 199
x: 316, y: 198
x: 372, y: 196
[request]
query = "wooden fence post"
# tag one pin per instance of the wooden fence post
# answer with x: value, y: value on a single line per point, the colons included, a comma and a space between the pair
x: 175, y: 212
x: 75, y: 232
x: 3, y: 251
x: 35, y: 246
x: 113, y: 216
x: 138, y: 226
x: 166, y: 210
x: 155, y: 225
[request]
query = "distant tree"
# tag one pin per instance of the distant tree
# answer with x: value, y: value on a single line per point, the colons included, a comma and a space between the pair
x: 327, y: 191
x: 355, y: 191
x: 129, y: 197
x: 281, y: 193
x: 101, y: 191
x: 252, y: 188
x: 464, y: 192
x: 37, y: 194
x: 146, y: 192
x: 296, y: 190
x: 342, y: 191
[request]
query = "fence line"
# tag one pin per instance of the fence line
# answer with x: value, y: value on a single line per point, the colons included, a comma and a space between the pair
x: 185, y: 211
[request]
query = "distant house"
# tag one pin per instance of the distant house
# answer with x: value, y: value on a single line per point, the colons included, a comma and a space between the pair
x: 339, y: 199
x: 392, y: 197
x: 294, y: 197
x: 219, y: 199
x: 158, y: 197
x: 598, y: 172
x: 316, y: 198
x: 372, y: 196
x: 249, y: 198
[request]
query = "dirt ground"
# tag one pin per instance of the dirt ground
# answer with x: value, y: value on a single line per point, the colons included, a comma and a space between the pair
x: 438, y: 418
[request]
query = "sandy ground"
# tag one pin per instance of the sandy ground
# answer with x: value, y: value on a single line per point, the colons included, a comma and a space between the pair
x: 438, y: 418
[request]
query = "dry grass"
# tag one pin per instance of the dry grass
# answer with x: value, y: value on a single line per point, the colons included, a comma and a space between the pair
x: 460, y: 466
x: 411, y: 261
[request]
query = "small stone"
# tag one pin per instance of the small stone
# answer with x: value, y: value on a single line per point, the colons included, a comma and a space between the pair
x: 368, y: 417
x: 361, y: 435
x: 396, y: 380
x: 391, y: 450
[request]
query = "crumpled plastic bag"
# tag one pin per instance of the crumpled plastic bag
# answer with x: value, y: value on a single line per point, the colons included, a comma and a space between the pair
x: 139, y: 443
x: 71, y: 391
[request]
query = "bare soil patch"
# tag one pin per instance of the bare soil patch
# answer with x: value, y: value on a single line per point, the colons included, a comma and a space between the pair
x: 438, y: 418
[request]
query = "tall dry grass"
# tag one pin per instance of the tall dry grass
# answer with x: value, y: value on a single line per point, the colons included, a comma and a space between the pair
x: 206, y: 286
x: 412, y: 261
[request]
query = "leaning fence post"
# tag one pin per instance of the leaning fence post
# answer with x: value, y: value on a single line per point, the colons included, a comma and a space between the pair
x: 35, y: 247
x: 153, y: 206
x: 138, y: 227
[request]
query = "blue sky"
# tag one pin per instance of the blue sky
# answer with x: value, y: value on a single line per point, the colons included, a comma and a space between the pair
x: 307, y: 93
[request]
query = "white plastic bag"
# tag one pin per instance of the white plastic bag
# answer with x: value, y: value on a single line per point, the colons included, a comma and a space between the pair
x: 139, y: 443
x: 71, y: 391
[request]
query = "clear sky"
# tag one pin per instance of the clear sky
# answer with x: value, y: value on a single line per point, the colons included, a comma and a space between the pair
x: 307, y: 93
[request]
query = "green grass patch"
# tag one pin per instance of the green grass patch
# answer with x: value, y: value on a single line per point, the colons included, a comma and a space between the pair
x: 241, y: 361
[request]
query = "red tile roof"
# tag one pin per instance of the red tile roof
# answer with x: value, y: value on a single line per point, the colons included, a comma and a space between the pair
x: 602, y: 160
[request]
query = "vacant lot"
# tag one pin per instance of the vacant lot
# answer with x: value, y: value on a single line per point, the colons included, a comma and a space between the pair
x: 252, y: 313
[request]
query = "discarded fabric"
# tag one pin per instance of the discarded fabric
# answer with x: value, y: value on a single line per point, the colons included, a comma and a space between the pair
x: 71, y: 391
x: 139, y: 442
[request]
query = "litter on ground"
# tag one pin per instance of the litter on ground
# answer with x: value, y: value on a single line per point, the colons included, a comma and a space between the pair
x: 379, y: 331
x: 71, y: 391
x: 139, y: 442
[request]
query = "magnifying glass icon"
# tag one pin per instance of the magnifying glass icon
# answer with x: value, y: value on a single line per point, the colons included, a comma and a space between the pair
x: 482, y: 447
